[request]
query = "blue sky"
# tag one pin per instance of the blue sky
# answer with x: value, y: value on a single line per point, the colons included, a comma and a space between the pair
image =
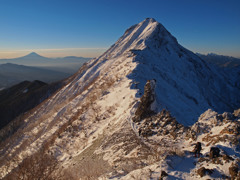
x: 87, y: 28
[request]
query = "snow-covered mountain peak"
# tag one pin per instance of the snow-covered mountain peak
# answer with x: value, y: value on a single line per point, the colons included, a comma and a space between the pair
x: 33, y: 55
x: 147, y: 34
x: 150, y: 20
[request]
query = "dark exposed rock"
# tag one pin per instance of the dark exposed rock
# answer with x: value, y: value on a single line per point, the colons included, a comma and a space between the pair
x: 227, y: 158
x: 173, y: 134
x: 203, y: 171
x: 202, y: 159
x: 224, y: 176
x: 233, y: 171
x: 219, y: 117
x: 157, y: 124
x: 217, y: 160
x: 163, y: 174
x: 227, y: 115
x: 214, y: 152
x: 144, y: 109
x: 191, y: 134
x: 146, y: 132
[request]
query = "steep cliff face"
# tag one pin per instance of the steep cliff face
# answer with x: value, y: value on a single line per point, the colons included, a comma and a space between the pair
x: 104, y: 116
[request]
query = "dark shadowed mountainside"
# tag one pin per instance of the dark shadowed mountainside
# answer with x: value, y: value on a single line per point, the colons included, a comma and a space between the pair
x: 23, y: 97
x: 11, y: 74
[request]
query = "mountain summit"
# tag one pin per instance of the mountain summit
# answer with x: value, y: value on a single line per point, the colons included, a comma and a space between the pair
x: 33, y: 55
x: 148, y: 33
x: 115, y: 113
x: 185, y: 83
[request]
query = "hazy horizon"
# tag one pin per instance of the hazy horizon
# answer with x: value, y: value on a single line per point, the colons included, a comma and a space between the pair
x: 55, y: 53
x: 99, y: 52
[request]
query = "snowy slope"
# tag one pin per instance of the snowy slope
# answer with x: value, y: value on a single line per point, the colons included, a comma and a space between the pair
x: 89, y: 122
x: 184, y: 81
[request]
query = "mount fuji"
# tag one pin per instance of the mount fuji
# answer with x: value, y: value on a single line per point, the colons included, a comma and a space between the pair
x: 92, y: 127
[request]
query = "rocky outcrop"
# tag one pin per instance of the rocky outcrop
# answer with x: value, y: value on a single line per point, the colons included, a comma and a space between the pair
x: 204, y: 171
x: 214, y: 152
x: 149, y: 122
x: 228, y: 128
x: 145, y: 109
x: 163, y: 174
x: 233, y: 171
x: 161, y: 124
x: 237, y: 113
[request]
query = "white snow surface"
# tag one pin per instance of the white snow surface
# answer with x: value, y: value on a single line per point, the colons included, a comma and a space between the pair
x: 100, y: 100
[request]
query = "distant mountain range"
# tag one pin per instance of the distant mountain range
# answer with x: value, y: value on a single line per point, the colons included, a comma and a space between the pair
x: 69, y: 64
x: 11, y: 74
x: 35, y: 67
x: 220, y: 60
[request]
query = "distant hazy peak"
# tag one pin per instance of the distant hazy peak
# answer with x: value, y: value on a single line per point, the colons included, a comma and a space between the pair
x: 33, y: 54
